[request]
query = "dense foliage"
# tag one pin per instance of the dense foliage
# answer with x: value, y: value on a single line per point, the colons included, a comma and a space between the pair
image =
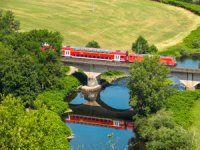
x: 181, y: 104
x: 160, y: 132
x: 54, y: 99
x: 27, y: 69
x: 24, y: 128
x: 141, y: 46
x: 93, y: 44
x: 148, y: 89
x: 189, y: 6
x: 18, y: 76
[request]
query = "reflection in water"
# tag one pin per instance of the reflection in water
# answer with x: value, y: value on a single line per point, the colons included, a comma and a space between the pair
x: 120, y: 97
x: 79, y: 99
x: 106, y: 104
x: 178, y: 85
x: 187, y: 62
x: 95, y: 137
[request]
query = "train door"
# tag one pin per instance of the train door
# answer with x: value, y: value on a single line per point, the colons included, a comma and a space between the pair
x: 116, y: 57
x: 67, y: 53
x: 116, y: 123
x: 68, y: 117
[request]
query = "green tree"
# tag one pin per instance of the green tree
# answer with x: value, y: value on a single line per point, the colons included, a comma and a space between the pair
x: 93, y: 44
x: 24, y: 128
x: 141, y: 46
x: 148, y: 89
x: 8, y: 24
x: 18, y: 76
x: 153, y: 49
x: 160, y: 132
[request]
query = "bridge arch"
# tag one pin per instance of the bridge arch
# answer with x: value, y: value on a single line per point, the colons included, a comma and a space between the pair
x: 197, y: 86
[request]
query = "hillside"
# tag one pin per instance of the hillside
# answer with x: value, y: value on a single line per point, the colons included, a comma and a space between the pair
x: 113, y: 23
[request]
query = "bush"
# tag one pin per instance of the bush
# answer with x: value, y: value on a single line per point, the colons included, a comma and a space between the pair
x: 54, y: 99
x: 159, y: 131
x: 93, y: 44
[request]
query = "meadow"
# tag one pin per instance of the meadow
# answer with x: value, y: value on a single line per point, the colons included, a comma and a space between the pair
x: 115, y: 24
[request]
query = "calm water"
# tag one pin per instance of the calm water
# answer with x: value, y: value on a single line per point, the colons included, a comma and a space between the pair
x: 89, y: 137
x: 117, y: 92
x: 188, y: 63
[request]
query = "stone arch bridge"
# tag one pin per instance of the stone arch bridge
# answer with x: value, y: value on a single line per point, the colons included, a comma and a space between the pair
x: 93, y: 68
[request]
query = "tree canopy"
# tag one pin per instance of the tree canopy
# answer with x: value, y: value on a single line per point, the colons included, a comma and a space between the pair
x: 93, y: 44
x: 8, y: 24
x: 141, y: 46
x: 161, y: 133
x: 24, y: 128
x: 148, y: 89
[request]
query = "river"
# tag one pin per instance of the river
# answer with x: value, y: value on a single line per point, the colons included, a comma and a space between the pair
x: 112, y: 102
x: 187, y: 62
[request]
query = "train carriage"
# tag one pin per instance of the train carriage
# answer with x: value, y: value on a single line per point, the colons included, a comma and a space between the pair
x: 109, y: 55
x: 94, y: 53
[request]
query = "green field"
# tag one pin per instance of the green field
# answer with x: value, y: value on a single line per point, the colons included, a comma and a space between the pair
x: 113, y: 23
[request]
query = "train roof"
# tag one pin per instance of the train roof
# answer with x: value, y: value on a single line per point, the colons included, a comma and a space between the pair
x: 94, y: 49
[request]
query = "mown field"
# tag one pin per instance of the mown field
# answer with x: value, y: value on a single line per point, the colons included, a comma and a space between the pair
x: 113, y: 23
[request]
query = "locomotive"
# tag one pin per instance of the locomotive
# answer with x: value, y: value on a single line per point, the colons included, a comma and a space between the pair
x: 109, y: 55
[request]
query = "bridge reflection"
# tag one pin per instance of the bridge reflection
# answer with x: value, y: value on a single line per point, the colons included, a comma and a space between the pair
x: 94, y: 106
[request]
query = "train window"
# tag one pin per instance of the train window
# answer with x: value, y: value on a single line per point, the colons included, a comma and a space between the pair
x: 122, y: 56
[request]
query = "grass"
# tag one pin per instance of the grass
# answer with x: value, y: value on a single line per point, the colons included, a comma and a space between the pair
x: 195, y: 128
x: 113, y: 23
x: 110, y: 76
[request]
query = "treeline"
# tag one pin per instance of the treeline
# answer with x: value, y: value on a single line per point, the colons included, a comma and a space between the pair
x: 189, y: 6
x: 36, y: 80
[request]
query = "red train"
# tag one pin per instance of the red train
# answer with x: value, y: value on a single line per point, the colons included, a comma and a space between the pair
x: 109, y: 55
x: 117, y: 124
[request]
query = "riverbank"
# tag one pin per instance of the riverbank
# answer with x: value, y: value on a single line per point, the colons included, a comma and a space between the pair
x: 111, y: 76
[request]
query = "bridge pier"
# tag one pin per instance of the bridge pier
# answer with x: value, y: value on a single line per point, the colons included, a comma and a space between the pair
x: 190, y: 88
x: 92, y: 82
